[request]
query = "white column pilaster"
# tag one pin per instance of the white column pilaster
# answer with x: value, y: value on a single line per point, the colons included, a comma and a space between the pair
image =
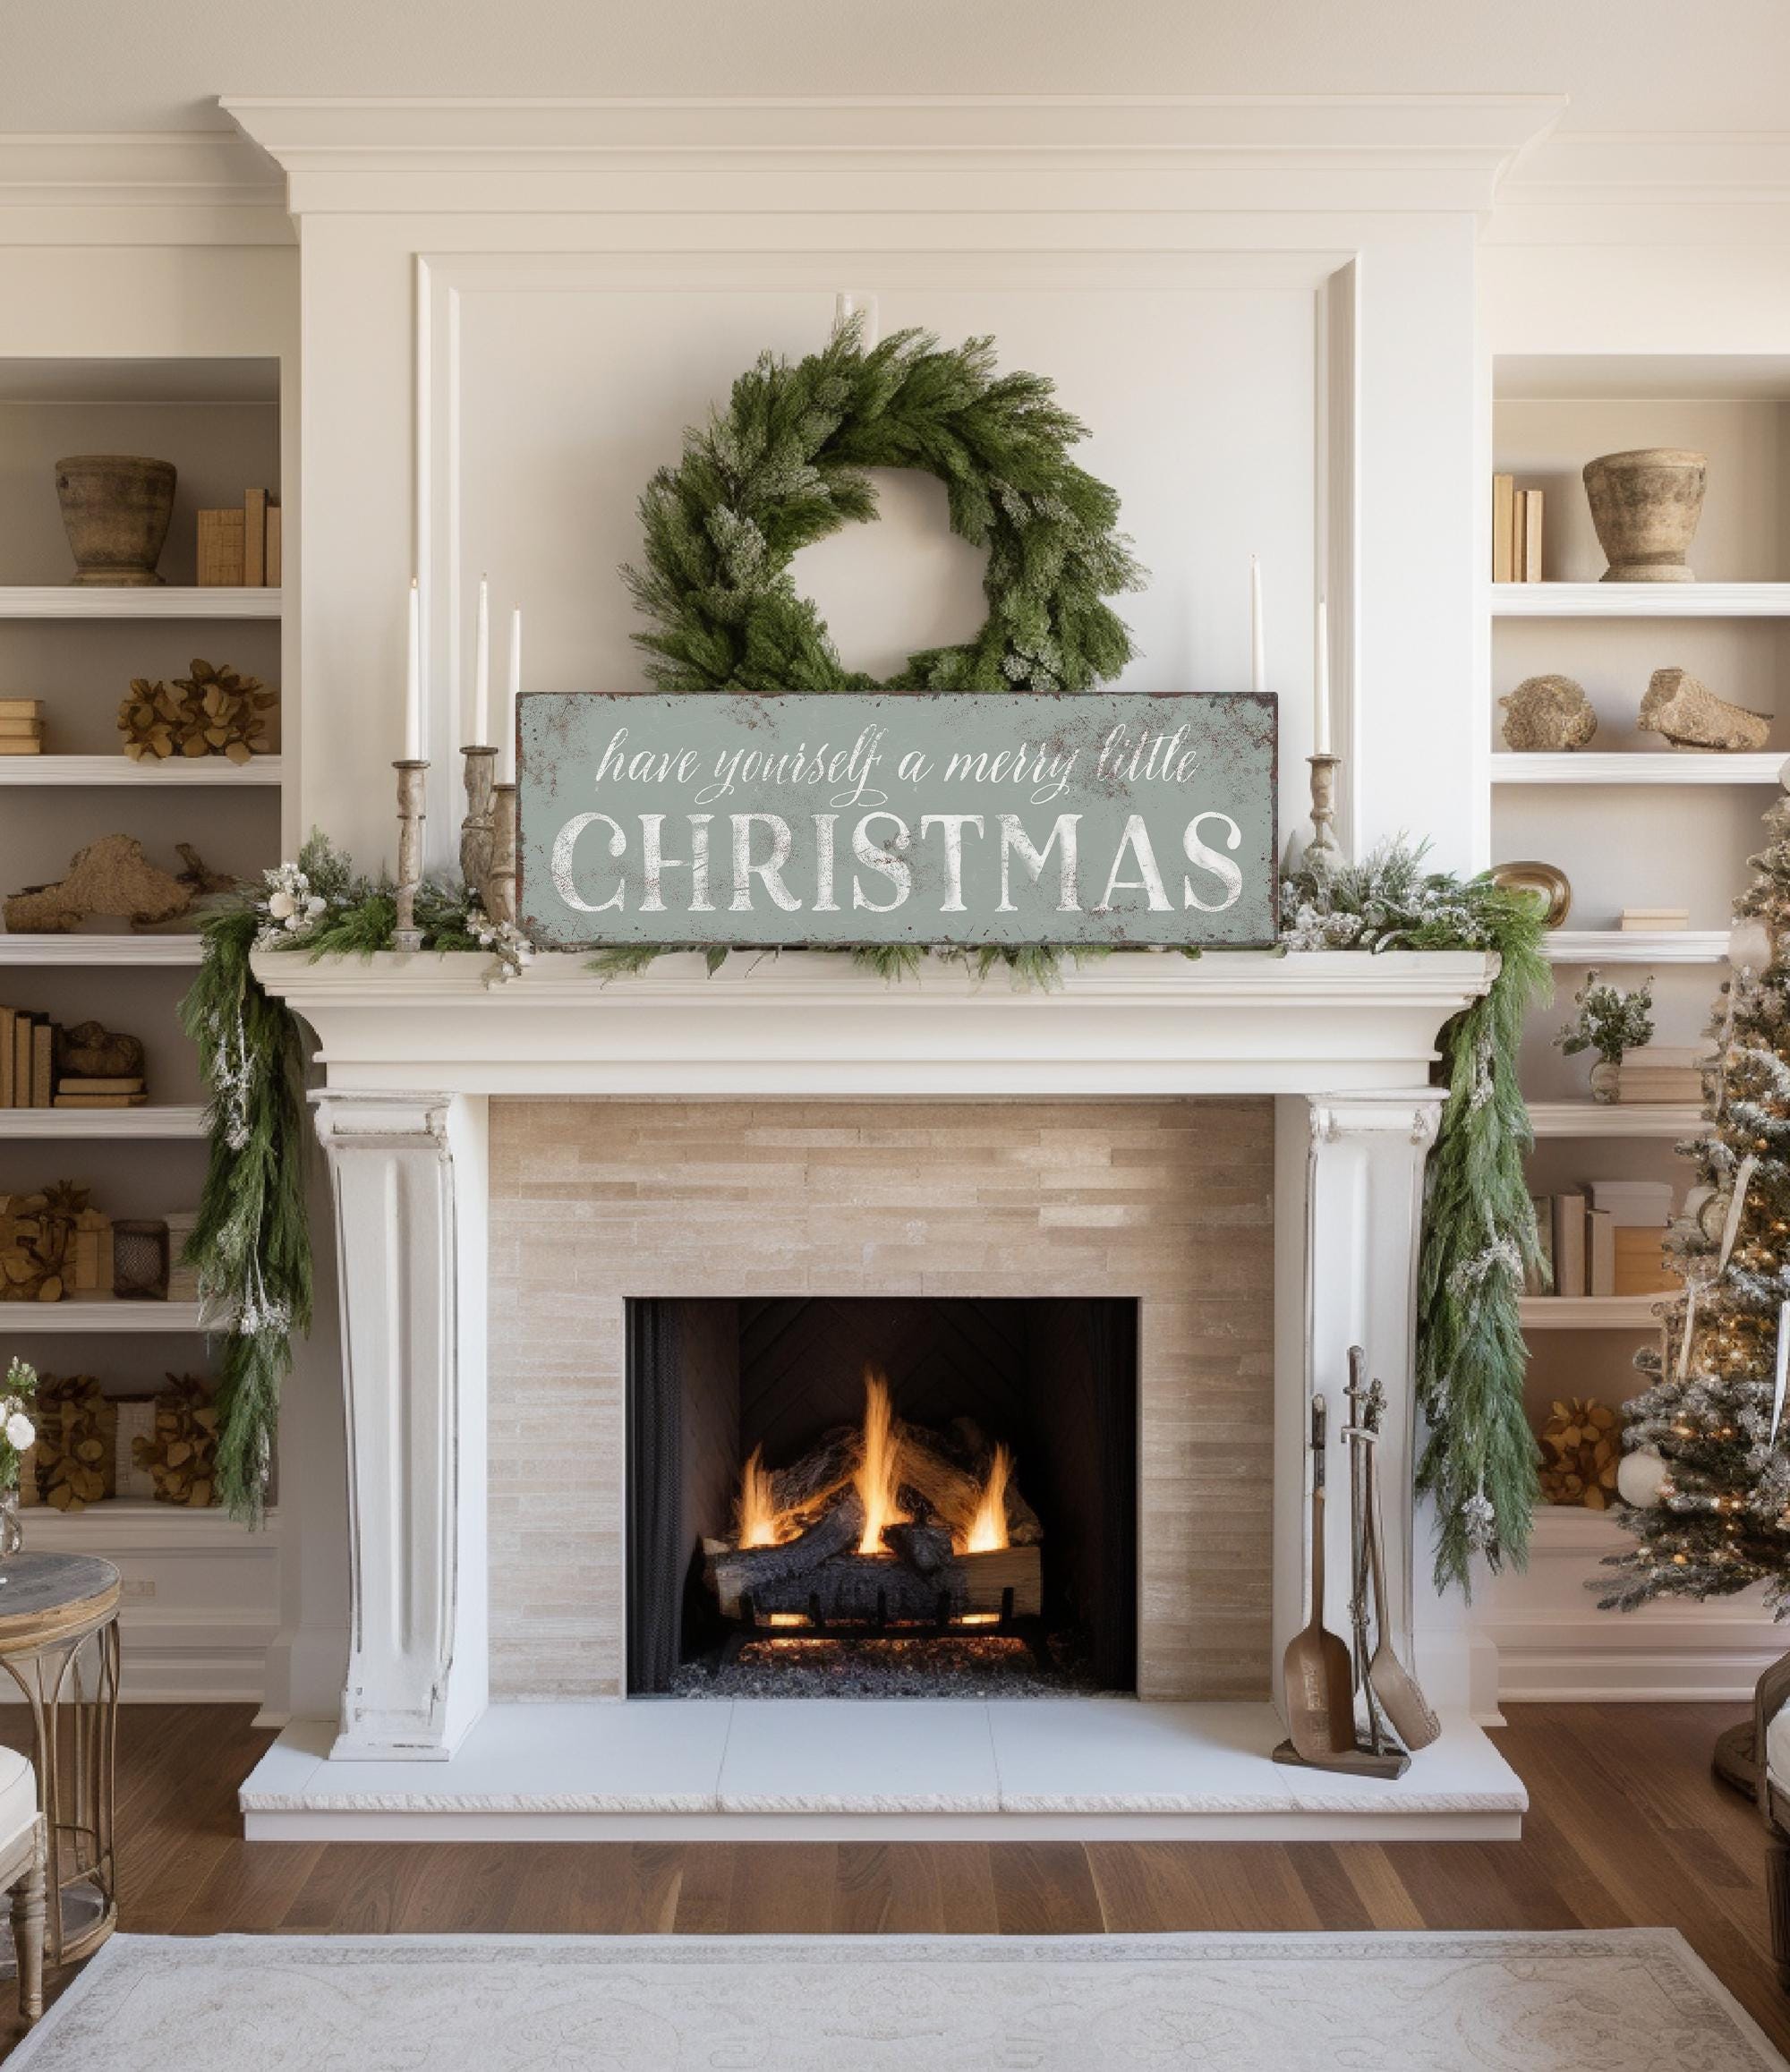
x: 1349, y: 1197
x: 408, y: 1176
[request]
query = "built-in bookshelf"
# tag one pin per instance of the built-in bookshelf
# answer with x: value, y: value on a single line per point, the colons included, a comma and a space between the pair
x: 76, y: 650
x: 1632, y: 821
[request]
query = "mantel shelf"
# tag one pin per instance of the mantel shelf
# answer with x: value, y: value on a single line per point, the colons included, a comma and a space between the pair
x: 63, y: 601
x: 1641, y: 599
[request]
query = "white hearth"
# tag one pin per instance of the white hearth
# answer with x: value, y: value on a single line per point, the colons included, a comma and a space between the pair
x: 414, y: 1050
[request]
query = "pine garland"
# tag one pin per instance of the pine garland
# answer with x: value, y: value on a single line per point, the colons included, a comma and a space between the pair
x: 1479, y: 1459
x: 784, y: 466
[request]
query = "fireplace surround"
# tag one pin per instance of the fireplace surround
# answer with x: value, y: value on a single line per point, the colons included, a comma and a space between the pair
x: 1236, y: 1144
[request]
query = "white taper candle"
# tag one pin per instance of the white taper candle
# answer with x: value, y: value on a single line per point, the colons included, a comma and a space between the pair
x: 482, y: 669
x: 508, y: 757
x: 413, y: 682
x: 1320, y: 720
x: 1259, y: 662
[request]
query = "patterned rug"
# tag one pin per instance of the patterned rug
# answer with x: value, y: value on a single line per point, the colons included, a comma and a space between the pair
x: 1623, y: 2000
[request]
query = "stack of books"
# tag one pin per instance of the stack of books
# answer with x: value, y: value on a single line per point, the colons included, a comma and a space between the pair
x: 22, y: 726
x: 1516, y: 532
x: 1611, y: 1244
x: 30, y: 1076
x: 1663, y: 1072
x: 240, y: 549
x: 1653, y: 919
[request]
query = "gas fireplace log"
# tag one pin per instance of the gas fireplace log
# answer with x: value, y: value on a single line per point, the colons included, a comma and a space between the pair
x: 926, y: 1549
x: 949, y: 1478
x: 822, y: 1471
x: 860, y: 1589
x: 755, y: 1569
x: 1024, y: 1528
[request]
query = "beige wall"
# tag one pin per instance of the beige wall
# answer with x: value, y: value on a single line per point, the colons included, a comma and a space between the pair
x: 1168, y: 1201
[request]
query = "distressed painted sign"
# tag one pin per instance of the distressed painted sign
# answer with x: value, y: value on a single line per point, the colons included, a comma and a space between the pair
x: 1097, y: 817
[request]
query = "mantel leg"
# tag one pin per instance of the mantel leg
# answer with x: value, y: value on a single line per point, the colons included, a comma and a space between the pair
x: 409, y: 1182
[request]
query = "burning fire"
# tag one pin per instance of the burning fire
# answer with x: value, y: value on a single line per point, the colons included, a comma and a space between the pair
x: 878, y: 1477
x: 760, y: 1523
x: 987, y: 1531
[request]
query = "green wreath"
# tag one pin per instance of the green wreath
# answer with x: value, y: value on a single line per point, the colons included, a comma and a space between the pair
x: 785, y: 466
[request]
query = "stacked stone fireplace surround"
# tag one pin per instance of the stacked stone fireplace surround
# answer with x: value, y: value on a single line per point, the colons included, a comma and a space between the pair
x: 1166, y: 1202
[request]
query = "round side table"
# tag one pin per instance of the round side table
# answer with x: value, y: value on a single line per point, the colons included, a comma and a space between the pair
x: 59, y: 1643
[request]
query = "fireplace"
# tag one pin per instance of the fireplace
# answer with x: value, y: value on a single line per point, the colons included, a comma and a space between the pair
x: 882, y: 1497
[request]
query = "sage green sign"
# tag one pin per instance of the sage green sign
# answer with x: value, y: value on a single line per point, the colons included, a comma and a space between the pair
x: 1096, y: 817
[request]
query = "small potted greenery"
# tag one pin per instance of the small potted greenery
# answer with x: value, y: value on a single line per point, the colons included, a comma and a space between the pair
x: 1611, y: 1022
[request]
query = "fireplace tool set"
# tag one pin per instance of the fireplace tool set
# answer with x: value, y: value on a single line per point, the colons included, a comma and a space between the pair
x: 1324, y: 1675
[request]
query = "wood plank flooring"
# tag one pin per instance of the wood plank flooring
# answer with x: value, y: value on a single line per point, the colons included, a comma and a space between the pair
x: 1625, y: 1829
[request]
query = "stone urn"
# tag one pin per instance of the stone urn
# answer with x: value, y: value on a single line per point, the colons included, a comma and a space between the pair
x: 1646, y: 505
x: 116, y: 509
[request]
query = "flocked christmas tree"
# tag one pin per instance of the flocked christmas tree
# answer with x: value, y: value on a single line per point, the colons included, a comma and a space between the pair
x: 1708, y: 1471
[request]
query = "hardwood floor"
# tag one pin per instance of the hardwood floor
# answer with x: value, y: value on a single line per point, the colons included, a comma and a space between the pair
x: 1625, y: 1829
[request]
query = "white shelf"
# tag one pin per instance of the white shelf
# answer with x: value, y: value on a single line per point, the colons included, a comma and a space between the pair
x: 1641, y: 599
x: 1572, y: 1529
x: 98, y: 1313
x: 64, y: 600
x: 32, y: 771
x: 1591, y: 1312
x: 1666, y: 1120
x: 100, y: 950
x: 138, y: 1525
x: 1636, y: 946
x: 1639, y: 766
x: 145, y: 1122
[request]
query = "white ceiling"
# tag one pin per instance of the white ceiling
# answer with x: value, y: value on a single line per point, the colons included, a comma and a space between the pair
x: 1627, y: 64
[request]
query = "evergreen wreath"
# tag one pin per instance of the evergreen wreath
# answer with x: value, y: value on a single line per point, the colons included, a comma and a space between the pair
x: 784, y: 466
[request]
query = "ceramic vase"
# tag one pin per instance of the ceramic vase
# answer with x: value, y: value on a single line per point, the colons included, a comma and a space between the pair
x: 11, y: 1532
x: 1646, y: 505
x: 1606, y: 1080
x: 116, y: 509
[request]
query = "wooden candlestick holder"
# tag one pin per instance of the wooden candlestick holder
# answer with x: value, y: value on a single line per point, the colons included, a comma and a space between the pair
x: 411, y: 771
x: 476, y: 828
x: 1324, y: 844
x: 500, y: 900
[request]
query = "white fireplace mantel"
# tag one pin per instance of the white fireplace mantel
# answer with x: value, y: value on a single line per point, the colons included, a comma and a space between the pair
x: 1231, y: 1022
x: 412, y: 1046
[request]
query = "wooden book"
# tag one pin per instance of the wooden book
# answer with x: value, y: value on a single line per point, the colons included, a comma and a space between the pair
x: 1503, y: 528
x: 22, y: 1060
x: 254, y: 538
x: 21, y: 708
x: 21, y: 728
x: 43, y: 1060
x: 1640, y: 1264
x: 220, y: 549
x: 8, y: 1016
x: 98, y: 1101
x: 275, y: 576
x: 1600, y: 1250
x: 1519, y: 549
x: 1530, y: 571
x: 118, y: 1085
x: 1569, y: 1245
x: 11, y: 747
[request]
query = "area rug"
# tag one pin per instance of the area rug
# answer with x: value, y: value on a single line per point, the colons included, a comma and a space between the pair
x: 1626, y: 2001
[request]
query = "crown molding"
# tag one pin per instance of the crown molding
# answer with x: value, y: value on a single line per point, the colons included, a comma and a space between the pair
x: 1312, y: 153
x: 1661, y: 187
x: 142, y: 187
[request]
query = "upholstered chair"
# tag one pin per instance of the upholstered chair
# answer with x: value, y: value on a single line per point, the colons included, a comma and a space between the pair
x: 23, y: 1874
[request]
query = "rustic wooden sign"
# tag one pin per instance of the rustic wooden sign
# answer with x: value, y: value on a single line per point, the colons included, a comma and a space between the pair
x: 1097, y: 817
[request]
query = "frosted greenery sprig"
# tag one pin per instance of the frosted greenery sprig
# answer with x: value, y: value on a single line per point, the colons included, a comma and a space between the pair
x: 18, y: 1432
x: 1609, y: 1020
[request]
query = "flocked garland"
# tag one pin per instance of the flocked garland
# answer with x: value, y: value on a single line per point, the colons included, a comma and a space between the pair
x: 784, y: 466
x: 252, y: 1246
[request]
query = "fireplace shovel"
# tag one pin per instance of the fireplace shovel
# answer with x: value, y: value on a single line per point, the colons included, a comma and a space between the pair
x: 1320, y: 1693
x: 1388, y: 1679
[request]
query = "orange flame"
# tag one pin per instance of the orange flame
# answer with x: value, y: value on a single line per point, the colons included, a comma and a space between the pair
x: 879, y: 1471
x: 759, y: 1523
x: 987, y: 1531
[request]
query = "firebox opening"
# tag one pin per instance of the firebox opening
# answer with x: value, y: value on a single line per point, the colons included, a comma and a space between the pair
x: 882, y: 1497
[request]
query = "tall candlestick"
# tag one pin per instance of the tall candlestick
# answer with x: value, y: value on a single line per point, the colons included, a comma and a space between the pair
x: 413, y: 685
x: 1320, y: 724
x: 514, y: 692
x: 1258, y: 664
x: 482, y: 665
